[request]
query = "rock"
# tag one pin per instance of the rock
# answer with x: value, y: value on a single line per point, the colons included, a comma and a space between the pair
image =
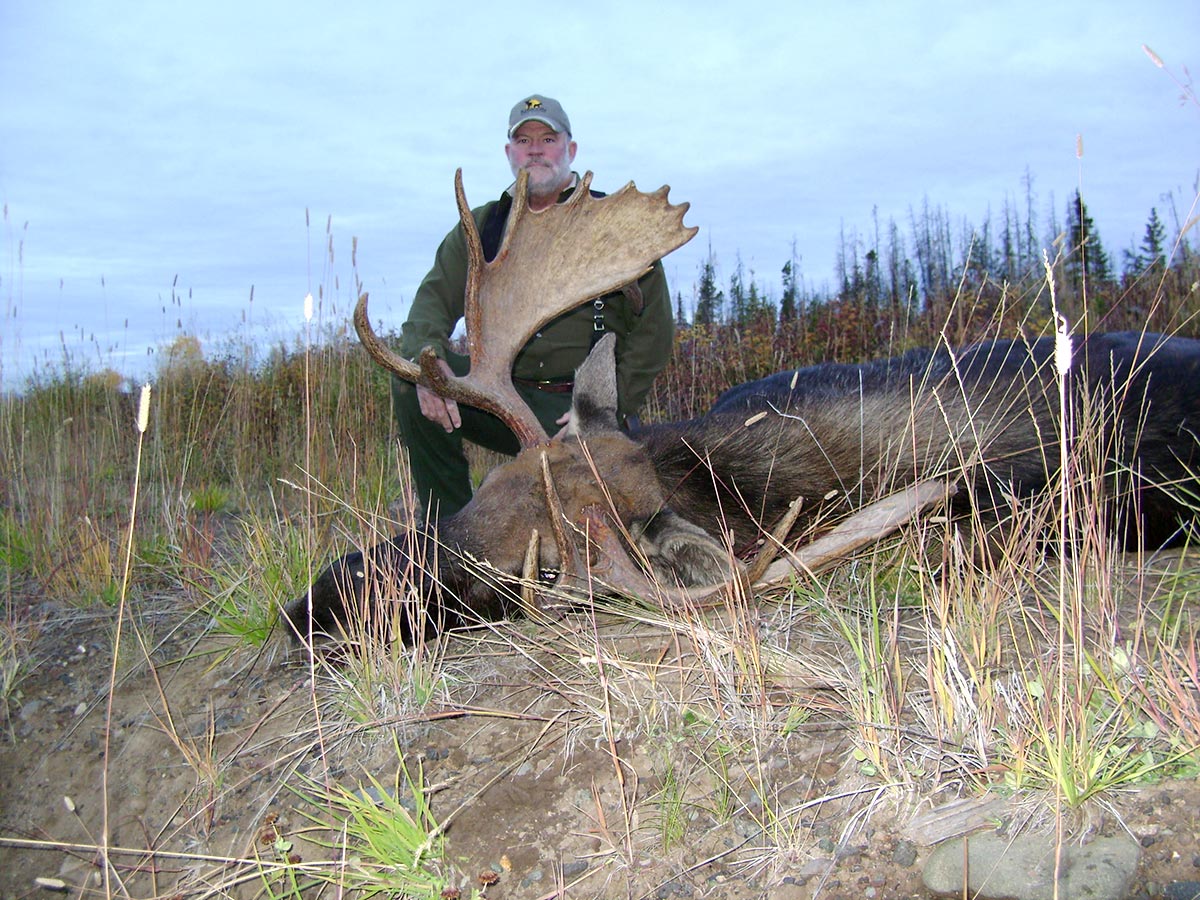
x: 905, y: 854
x: 815, y: 867
x: 672, y: 889
x: 746, y: 827
x: 848, y: 851
x: 30, y: 709
x: 574, y: 868
x: 1022, y: 868
x: 1182, y: 890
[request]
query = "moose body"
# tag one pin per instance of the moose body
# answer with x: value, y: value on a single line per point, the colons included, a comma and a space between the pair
x: 832, y: 436
x: 838, y: 434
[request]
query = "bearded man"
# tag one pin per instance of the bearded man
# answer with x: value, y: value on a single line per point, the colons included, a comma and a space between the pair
x: 432, y: 428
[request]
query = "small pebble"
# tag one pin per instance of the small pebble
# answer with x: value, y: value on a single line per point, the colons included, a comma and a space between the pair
x: 30, y: 709
x: 575, y: 868
x: 905, y: 854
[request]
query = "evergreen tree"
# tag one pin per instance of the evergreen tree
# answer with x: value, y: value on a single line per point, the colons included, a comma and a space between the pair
x: 899, y: 267
x: 709, y: 299
x: 787, y: 303
x: 737, y: 296
x: 1088, y: 262
x: 1027, y: 257
x: 759, y: 306
x: 873, y: 280
x: 1152, y: 253
x: 934, y: 248
x: 849, y: 273
x: 1154, y: 242
x: 1009, y: 265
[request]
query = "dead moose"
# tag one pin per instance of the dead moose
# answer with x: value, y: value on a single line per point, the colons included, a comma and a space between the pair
x: 674, y: 504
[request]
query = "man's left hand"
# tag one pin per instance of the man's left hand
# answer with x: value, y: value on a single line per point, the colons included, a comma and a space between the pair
x: 565, y: 421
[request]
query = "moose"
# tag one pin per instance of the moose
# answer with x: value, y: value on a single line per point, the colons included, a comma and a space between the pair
x: 673, y: 507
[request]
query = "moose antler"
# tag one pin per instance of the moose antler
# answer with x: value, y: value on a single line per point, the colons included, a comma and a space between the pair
x: 549, y: 262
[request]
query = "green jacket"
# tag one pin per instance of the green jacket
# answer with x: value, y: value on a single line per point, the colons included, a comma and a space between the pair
x: 644, y: 339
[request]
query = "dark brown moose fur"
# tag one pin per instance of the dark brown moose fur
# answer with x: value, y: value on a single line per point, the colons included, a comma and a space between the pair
x: 833, y: 435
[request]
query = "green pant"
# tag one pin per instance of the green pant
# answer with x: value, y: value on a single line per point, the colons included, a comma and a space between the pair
x: 439, y: 466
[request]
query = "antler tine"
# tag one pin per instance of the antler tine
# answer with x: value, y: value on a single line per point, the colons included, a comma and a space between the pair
x: 425, y: 371
x: 583, y: 190
x: 378, y: 350
x: 475, y: 261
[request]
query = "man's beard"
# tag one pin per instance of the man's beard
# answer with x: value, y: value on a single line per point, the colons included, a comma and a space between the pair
x: 546, y: 180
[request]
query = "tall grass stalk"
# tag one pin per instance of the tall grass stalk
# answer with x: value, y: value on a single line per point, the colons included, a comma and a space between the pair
x: 311, y: 657
x: 1062, y: 366
x: 141, y: 422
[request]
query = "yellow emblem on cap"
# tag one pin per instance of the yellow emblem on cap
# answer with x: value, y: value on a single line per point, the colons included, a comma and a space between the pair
x: 532, y: 103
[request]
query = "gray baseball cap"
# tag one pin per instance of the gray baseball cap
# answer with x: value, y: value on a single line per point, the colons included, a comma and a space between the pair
x: 538, y: 108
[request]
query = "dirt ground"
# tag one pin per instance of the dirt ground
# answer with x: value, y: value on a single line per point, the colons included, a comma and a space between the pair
x: 522, y: 762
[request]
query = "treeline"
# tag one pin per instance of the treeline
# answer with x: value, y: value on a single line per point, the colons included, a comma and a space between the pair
x: 932, y: 265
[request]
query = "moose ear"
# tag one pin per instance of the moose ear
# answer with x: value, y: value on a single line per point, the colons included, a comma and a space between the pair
x: 594, y: 400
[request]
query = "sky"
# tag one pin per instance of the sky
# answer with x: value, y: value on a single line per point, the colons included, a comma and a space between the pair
x: 203, y: 166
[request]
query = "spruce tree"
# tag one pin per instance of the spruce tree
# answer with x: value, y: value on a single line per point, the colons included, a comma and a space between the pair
x: 709, y: 298
x: 787, y: 303
x: 1152, y: 253
x: 1088, y: 261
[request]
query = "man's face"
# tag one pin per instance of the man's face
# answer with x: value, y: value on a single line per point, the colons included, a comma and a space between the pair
x: 546, y: 154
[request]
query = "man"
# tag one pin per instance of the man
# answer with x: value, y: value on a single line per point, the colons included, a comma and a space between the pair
x: 432, y: 428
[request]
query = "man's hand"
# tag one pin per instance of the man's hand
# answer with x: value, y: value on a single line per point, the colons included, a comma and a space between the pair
x: 438, y: 409
x: 565, y: 421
